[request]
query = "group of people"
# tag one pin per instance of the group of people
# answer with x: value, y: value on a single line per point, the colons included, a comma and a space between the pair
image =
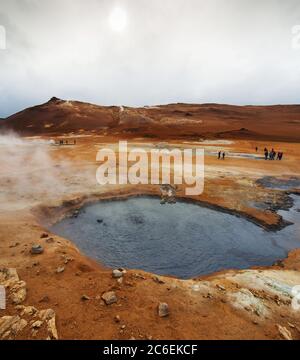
x: 273, y: 155
x: 221, y: 155
x: 65, y: 142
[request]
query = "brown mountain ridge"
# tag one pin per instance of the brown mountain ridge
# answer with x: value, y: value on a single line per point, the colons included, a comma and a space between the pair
x: 64, y: 117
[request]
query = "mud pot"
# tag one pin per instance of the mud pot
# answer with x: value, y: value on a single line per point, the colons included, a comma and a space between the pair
x: 183, y: 240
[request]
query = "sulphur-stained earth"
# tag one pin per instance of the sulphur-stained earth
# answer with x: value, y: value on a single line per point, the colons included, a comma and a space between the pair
x: 55, y: 292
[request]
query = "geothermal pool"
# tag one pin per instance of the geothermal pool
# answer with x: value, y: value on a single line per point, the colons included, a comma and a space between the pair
x: 184, y: 240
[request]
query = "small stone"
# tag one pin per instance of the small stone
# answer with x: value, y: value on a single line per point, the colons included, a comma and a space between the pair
x: 44, y: 299
x: 85, y: 298
x: 118, y: 273
x: 220, y: 287
x: 120, y: 281
x: 44, y: 236
x: 18, y: 326
x: 256, y: 312
x: 47, y: 314
x: 6, y: 322
x: 37, y: 324
x: 52, y: 329
x: 117, y: 319
x: 37, y: 249
x: 123, y: 327
x: 291, y: 325
x: 109, y: 297
x: 163, y: 309
x: 158, y: 280
x: 50, y: 240
x: 284, y: 332
x: 18, y: 292
x: 29, y: 310
x: 14, y: 245
x: 60, y: 270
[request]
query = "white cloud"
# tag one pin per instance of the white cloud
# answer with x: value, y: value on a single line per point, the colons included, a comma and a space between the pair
x: 236, y: 51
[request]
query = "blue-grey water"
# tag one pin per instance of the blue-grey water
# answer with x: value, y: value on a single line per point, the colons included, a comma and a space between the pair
x: 184, y: 240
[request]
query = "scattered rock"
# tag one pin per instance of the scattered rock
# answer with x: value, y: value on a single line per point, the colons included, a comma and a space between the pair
x: 37, y: 249
x: 44, y: 299
x: 139, y: 276
x: 163, y: 309
x: 47, y: 314
x: 117, y: 319
x: 118, y: 273
x: 85, y: 298
x: 284, y: 332
x: 109, y: 297
x: 8, y: 276
x: 44, y: 236
x: 37, y: 324
x: 18, y: 292
x: 123, y: 327
x: 50, y: 240
x: 291, y: 325
x: 29, y: 310
x: 52, y: 329
x: 158, y: 280
x: 60, y: 270
x: 220, y: 287
x: 14, y: 245
x: 6, y: 322
x: 18, y: 326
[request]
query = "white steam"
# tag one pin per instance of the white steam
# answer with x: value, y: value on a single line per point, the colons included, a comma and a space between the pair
x: 31, y: 171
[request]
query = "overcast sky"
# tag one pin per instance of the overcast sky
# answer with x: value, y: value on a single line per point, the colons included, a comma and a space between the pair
x: 149, y: 52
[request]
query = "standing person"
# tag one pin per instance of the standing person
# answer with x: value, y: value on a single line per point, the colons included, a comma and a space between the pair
x: 256, y: 149
x: 273, y: 154
x: 219, y: 155
x: 281, y: 156
x: 223, y: 156
x: 278, y: 155
x: 266, y: 154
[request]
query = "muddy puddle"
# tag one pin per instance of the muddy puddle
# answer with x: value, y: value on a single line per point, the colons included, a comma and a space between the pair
x: 184, y: 240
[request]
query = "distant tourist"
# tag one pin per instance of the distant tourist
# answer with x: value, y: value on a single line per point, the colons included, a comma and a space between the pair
x: 266, y: 154
x: 256, y: 149
x: 272, y: 155
x: 279, y: 155
x: 219, y: 155
x: 223, y: 156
